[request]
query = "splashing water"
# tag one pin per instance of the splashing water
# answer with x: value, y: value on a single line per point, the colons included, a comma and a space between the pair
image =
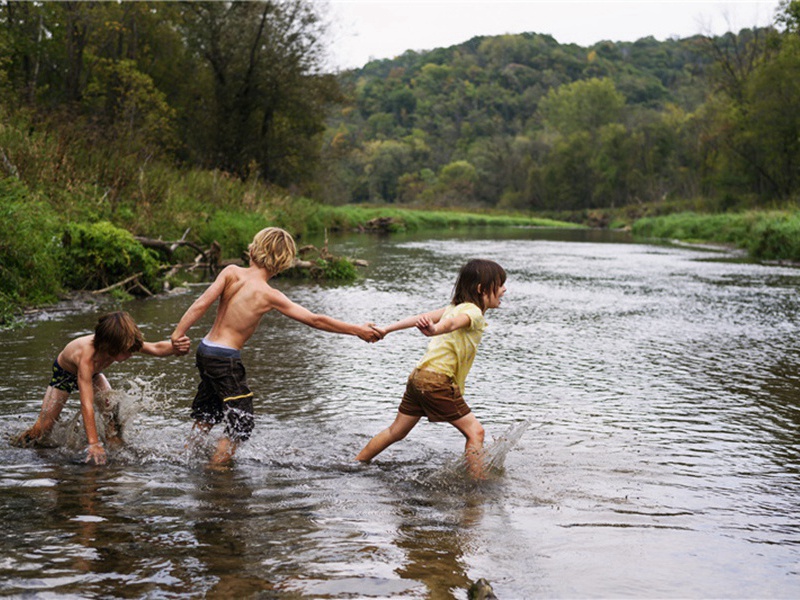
x: 492, y: 457
x: 115, y: 414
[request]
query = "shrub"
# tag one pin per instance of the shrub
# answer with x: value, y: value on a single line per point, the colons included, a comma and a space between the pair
x: 29, y: 250
x: 101, y: 254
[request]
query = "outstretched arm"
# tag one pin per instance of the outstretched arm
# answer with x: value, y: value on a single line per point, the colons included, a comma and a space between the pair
x: 167, y: 347
x: 294, y: 311
x: 433, y: 316
x: 197, y: 310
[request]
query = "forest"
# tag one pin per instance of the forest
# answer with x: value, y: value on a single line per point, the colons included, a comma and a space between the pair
x: 205, y: 121
x: 523, y: 122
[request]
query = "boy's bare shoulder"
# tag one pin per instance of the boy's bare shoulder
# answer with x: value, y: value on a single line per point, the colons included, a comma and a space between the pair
x: 74, y: 352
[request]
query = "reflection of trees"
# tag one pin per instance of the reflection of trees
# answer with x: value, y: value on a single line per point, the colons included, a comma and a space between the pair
x: 95, y: 543
x: 435, y: 548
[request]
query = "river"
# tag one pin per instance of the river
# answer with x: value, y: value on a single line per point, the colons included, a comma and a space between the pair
x: 655, y: 391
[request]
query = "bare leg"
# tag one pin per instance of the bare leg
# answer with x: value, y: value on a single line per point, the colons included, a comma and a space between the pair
x: 225, y: 447
x: 111, y: 425
x: 472, y: 429
x: 199, y: 430
x: 394, y: 433
x: 224, y: 452
x: 52, y: 405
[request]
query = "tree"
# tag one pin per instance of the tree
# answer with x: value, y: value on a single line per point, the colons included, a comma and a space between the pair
x: 582, y: 106
x: 268, y: 101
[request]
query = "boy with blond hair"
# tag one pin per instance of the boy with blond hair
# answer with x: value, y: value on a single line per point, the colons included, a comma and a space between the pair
x: 80, y: 367
x: 245, y: 296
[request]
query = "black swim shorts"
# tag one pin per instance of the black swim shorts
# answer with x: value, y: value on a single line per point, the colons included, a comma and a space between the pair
x: 63, y: 380
x: 223, y: 394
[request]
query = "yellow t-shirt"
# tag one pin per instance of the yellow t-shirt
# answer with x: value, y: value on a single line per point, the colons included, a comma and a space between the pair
x: 452, y: 353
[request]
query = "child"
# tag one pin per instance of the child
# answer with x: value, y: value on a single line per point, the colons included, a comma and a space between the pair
x: 79, y: 366
x: 244, y: 297
x: 435, y: 386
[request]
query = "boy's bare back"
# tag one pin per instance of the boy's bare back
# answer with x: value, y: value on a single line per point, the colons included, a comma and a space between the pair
x: 244, y: 297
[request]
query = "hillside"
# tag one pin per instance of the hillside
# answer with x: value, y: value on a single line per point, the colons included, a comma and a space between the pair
x: 523, y: 122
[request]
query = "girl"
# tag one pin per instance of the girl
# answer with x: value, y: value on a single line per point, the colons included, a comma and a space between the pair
x: 435, y: 386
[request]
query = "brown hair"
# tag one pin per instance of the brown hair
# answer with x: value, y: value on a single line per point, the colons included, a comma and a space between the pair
x: 273, y: 249
x: 477, y: 277
x: 116, y: 333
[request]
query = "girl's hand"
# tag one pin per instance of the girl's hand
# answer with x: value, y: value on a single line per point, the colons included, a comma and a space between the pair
x: 96, y: 453
x: 379, y: 330
x: 369, y: 333
x: 426, y: 326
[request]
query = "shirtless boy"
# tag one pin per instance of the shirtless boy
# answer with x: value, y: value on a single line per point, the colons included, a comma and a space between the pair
x: 80, y: 367
x: 245, y: 296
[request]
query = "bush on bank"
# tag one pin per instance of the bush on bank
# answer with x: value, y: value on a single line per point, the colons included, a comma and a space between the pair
x: 30, y: 252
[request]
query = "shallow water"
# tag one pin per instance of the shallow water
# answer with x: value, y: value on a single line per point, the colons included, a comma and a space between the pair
x: 655, y: 392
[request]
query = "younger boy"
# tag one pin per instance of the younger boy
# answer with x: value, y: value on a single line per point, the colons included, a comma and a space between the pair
x: 244, y: 297
x: 80, y: 366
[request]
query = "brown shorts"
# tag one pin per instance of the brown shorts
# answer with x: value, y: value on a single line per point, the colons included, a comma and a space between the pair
x: 433, y: 395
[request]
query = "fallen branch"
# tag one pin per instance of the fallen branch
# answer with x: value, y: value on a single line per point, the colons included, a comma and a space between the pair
x: 168, y: 247
x: 125, y: 281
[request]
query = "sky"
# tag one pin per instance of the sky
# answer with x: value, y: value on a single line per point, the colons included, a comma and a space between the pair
x: 362, y: 30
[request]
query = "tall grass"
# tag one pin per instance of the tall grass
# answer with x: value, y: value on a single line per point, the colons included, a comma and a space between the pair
x: 71, y: 204
x: 768, y: 235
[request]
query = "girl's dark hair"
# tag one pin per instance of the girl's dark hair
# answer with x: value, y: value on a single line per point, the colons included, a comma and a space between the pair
x: 477, y: 277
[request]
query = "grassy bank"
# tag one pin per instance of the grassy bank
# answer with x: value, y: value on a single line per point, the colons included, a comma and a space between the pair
x: 72, y: 207
x: 765, y: 235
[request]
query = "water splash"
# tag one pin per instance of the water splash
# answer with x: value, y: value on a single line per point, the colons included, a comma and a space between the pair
x: 492, y: 458
x: 115, y: 413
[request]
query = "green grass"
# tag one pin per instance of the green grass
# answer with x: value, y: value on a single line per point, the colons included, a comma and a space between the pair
x: 766, y: 235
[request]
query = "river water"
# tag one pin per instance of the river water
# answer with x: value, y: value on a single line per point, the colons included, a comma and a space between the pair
x: 655, y: 392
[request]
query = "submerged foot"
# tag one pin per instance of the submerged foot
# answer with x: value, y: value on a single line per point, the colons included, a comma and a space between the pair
x: 26, y: 439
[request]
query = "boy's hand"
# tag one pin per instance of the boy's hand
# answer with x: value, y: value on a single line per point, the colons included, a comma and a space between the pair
x: 96, y: 453
x: 379, y: 330
x: 426, y: 326
x: 181, y: 345
x: 368, y: 333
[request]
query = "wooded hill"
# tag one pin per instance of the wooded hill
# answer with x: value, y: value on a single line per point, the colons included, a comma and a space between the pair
x: 523, y: 122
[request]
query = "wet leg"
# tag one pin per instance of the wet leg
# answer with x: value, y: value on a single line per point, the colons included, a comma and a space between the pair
x: 52, y: 405
x: 111, y: 425
x: 223, y: 455
x: 399, y: 429
x: 472, y: 429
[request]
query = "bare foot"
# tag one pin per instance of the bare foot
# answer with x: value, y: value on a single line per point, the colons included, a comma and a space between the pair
x: 27, y: 438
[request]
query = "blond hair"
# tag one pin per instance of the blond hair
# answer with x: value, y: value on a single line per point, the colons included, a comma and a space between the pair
x: 116, y: 333
x: 272, y: 249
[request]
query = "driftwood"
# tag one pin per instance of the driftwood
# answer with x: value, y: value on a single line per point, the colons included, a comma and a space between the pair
x: 382, y: 225
x: 211, y: 262
x: 169, y: 247
x: 133, y: 279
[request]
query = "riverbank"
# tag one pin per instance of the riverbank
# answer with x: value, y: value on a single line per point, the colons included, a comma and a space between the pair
x: 772, y: 236
x: 45, y: 257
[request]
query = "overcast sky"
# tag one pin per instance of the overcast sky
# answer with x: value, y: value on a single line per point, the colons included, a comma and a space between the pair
x: 366, y: 29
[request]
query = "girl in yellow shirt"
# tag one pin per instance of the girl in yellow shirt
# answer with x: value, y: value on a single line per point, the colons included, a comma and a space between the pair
x: 435, y: 386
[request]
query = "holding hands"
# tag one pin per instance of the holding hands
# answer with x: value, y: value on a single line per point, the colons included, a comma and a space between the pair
x: 180, y: 345
x: 370, y: 333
